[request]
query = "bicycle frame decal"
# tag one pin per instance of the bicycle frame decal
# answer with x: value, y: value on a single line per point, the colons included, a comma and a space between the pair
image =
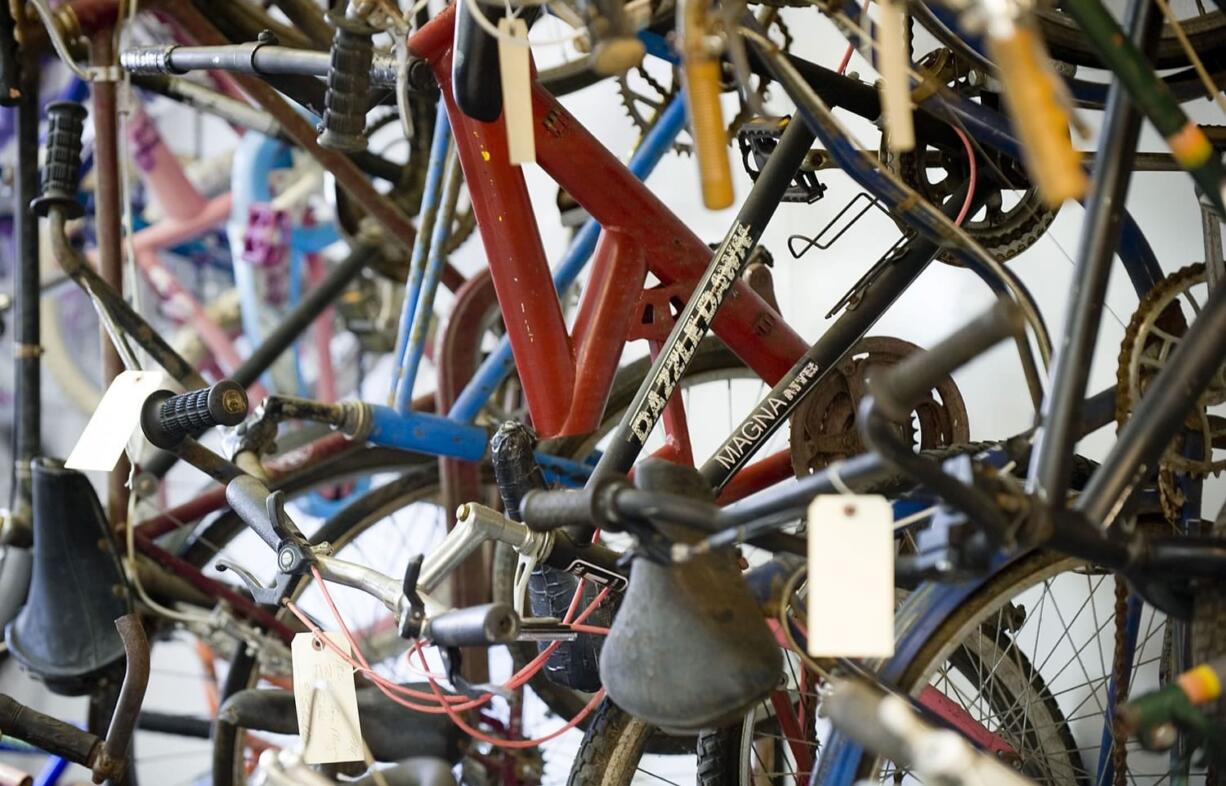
x: 763, y: 421
x: 693, y: 326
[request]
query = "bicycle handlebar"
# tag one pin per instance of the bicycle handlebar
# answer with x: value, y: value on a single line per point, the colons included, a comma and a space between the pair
x: 344, y: 120
x: 107, y: 758
x: 168, y: 419
x: 256, y: 58
x: 899, y: 389
x: 476, y: 626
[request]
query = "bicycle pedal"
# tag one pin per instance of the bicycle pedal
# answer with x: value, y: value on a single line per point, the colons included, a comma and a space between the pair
x: 757, y: 140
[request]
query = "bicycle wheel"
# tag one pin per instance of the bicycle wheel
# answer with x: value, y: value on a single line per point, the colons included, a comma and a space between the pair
x: 1206, y: 30
x: 1028, y: 656
x: 616, y: 750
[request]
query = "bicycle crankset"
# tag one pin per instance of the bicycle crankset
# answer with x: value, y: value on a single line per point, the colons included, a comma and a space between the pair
x: 1014, y: 216
x: 1155, y: 330
x: 824, y: 425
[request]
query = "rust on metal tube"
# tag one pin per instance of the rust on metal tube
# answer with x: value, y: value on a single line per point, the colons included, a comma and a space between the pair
x: 131, y: 696
x: 107, y: 221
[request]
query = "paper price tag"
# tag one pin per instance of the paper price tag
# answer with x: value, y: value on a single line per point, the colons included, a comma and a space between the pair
x: 326, y: 701
x: 851, y: 576
x: 517, y: 91
x: 111, y: 426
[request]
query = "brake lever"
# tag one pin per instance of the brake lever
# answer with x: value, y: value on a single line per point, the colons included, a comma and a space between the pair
x: 265, y: 595
x: 264, y: 512
x: 414, y: 618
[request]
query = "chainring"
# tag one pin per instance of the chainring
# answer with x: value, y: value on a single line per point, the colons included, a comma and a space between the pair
x: 937, y: 172
x: 1155, y: 330
x: 644, y: 96
x: 823, y: 427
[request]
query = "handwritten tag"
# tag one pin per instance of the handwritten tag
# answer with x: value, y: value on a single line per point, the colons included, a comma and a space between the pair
x: 326, y: 701
x: 851, y: 576
x: 894, y: 61
x: 111, y: 426
x: 516, y: 90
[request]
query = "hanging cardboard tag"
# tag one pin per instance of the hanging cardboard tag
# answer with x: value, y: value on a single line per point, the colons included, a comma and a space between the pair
x: 111, y: 426
x: 894, y: 62
x: 851, y: 576
x: 516, y: 90
x: 326, y: 701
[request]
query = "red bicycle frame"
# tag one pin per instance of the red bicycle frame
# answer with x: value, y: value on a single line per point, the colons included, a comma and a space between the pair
x: 566, y: 377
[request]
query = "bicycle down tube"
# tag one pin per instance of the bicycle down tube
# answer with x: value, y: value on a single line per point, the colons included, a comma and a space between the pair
x: 566, y: 377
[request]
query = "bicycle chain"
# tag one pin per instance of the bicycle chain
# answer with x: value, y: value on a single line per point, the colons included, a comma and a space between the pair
x: 1155, y: 309
x: 1004, y: 232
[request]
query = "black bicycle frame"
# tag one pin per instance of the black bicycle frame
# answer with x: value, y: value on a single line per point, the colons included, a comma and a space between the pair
x: 727, y: 264
x: 901, y: 270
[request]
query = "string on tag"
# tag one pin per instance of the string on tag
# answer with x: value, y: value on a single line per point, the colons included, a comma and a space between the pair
x: 836, y: 479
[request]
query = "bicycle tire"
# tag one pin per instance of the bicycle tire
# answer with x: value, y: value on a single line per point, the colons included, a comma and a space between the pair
x: 931, y: 643
x: 612, y: 746
x: 1066, y: 41
x: 1066, y: 44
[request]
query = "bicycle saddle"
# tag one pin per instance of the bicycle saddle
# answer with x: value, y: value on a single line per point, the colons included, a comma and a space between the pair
x: 65, y: 635
x: 689, y: 648
x: 392, y: 732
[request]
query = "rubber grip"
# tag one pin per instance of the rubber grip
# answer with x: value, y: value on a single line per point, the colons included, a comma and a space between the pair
x: 50, y: 734
x: 1032, y: 98
x: 62, y: 168
x: 702, y: 94
x: 344, y: 121
x: 515, y: 469
x: 475, y: 73
x: 544, y: 511
x: 167, y: 419
x: 476, y: 626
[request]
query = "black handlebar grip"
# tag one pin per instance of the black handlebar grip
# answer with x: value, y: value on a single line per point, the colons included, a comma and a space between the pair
x: 544, y: 511
x: 475, y: 73
x: 62, y: 169
x: 344, y: 121
x: 477, y: 626
x: 50, y: 734
x: 898, y: 390
x: 167, y: 419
